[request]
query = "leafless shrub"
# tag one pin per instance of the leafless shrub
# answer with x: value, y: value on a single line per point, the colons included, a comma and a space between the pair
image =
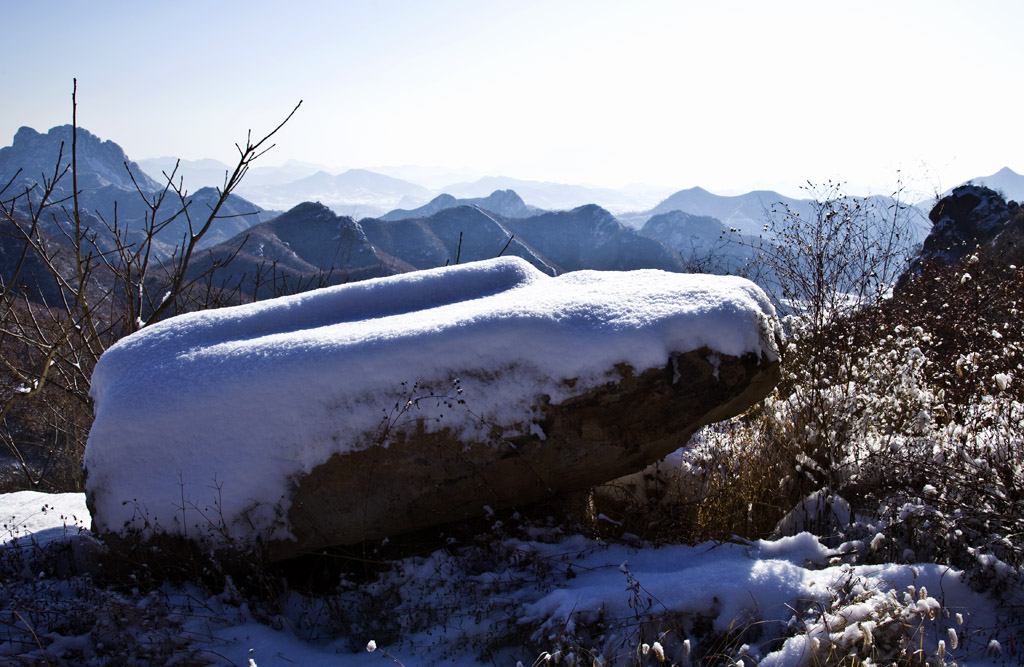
x: 67, y: 300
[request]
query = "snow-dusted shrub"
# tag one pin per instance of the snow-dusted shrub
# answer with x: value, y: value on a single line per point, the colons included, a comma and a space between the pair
x: 836, y: 421
x: 52, y: 612
x: 949, y: 486
x: 835, y: 405
x: 864, y: 623
x: 911, y: 412
x: 724, y: 483
x: 834, y: 255
x: 895, y: 432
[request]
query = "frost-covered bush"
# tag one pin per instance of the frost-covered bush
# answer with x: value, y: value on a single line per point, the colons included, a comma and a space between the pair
x: 863, y: 623
x: 896, y: 433
x: 948, y: 483
x: 909, y: 415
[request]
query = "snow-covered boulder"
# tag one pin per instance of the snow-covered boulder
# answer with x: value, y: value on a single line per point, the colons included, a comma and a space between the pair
x: 374, y: 408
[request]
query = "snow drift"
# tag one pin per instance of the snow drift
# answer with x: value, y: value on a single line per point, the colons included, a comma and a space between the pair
x: 202, y: 422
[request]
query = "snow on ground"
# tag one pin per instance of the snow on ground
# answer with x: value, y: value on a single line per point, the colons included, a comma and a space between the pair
x: 218, y: 410
x: 563, y: 592
x: 41, y: 517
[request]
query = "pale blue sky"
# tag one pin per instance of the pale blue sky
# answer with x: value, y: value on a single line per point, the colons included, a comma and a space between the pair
x: 726, y: 95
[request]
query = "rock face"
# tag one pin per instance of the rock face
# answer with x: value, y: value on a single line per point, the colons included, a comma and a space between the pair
x: 430, y: 478
x: 971, y: 216
x: 387, y: 405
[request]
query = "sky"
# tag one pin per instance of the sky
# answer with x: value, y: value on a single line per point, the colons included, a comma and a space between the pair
x: 730, y: 96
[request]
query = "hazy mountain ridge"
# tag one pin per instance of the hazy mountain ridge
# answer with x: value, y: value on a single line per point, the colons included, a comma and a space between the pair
x: 704, y: 243
x: 589, y: 237
x: 561, y: 196
x: 746, y: 213
x: 307, y: 246
x: 202, y: 173
x: 375, y: 193
x: 453, y: 235
x: 210, y: 172
x: 310, y: 245
x: 107, y: 192
x: 506, y: 203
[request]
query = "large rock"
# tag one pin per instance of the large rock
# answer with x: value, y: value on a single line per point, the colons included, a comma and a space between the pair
x: 375, y: 408
x: 969, y: 217
x: 427, y: 478
x: 972, y: 218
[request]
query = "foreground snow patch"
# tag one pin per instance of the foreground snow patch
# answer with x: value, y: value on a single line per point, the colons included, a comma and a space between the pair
x: 31, y: 517
x: 203, y: 420
x: 514, y: 597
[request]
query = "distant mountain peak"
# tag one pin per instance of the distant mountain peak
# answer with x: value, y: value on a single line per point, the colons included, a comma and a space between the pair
x: 25, y: 133
x: 100, y: 163
x: 1006, y: 181
x: 311, y: 211
x: 506, y: 203
x: 593, y: 210
x: 443, y: 199
x: 85, y: 139
x: 506, y: 197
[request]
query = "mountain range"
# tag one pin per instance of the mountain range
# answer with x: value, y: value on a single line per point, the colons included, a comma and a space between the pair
x: 276, y: 188
x: 365, y: 193
x: 632, y: 204
x: 358, y: 192
x: 311, y: 244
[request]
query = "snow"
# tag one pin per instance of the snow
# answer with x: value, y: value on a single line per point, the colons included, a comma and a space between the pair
x: 205, y: 418
x: 787, y: 592
x: 40, y: 518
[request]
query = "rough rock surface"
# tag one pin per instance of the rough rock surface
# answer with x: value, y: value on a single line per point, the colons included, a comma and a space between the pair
x: 972, y: 218
x: 969, y: 217
x: 429, y: 478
